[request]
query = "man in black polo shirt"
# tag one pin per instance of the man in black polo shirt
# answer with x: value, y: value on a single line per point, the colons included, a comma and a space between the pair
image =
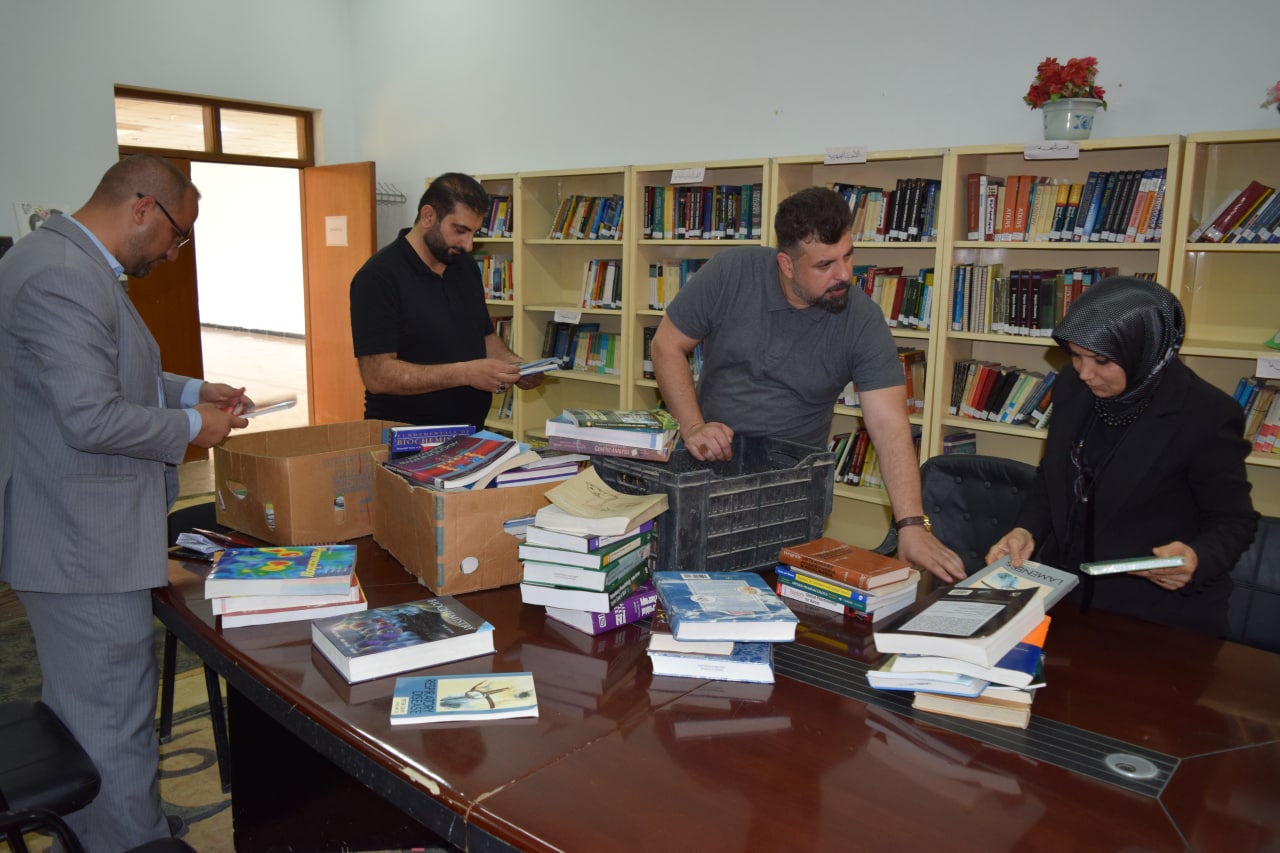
x: 425, y: 344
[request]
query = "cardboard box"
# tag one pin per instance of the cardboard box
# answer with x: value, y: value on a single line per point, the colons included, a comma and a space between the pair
x: 452, y: 541
x: 299, y: 486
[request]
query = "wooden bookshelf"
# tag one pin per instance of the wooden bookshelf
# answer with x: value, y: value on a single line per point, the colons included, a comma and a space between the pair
x: 1039, y: 354
x: 502, y: 308
x: 1229, y: 291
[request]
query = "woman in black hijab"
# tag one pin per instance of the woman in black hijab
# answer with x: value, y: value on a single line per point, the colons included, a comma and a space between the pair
x: 1143, y: 457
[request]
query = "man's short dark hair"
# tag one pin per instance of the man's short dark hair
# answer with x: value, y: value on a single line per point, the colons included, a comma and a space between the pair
x: 452, y: 189
x: 816, y: 213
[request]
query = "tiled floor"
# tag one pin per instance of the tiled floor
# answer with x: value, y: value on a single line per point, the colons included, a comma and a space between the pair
x: 269, y: 367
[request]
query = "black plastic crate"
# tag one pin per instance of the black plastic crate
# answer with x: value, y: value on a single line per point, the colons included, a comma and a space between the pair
x: 736, y: 515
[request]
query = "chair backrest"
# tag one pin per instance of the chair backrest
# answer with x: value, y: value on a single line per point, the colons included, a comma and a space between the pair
x: 973, y: 500
x: 1253, y: 611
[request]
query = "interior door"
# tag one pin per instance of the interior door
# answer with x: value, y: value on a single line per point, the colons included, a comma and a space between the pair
x: 339, y: 233
x: 168, y: 301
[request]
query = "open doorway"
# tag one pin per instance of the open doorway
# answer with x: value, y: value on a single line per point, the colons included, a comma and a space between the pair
x: 249, y: 269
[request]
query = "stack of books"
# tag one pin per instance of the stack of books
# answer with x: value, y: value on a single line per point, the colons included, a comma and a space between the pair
x: 588, y: 551
x: 264, y: 586
x: 846, y: 579
x: 547, y: 468
x: 647, y: 434
x: 718, y: 625
x: 975, y: 650
x: 463, y: 462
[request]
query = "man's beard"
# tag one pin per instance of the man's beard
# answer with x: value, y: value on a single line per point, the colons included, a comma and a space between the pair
x: 438, y: 248
x: 831, y: 301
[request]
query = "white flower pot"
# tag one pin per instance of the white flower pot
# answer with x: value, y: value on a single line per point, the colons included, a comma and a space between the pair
x: 1069, y: 118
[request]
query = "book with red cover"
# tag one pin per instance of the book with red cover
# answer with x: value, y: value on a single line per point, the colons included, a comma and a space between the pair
x: 601, y: 448
x: 457, y: 462
x: 1239, y: 207
x: 845, y: 563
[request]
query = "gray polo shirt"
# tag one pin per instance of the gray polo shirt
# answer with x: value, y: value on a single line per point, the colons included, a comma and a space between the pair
x: 768, y: 368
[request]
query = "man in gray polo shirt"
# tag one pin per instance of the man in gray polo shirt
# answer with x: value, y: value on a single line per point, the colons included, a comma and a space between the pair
x: 783, y: 332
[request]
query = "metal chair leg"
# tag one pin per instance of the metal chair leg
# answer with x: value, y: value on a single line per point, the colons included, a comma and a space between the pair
x: 219, y: 719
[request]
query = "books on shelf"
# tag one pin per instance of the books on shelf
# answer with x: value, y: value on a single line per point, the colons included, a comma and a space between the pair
x: 387, y: 640
x: 845, y: 563
x: 633, y: 608
x: 475, y: 697
x: 750, y: 661
x: 285, y: 570
x: 736, y: 606
x: 236, y: 612
x: 1049, y: 583
x: 974, y: 624
x: 459, y: 462
x: 587, y: 505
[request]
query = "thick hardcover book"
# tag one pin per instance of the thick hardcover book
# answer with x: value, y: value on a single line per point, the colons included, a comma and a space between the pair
x: 975, y: 624
x: 483, y: 696
x: 586, y: 504
x: 633, y: 608
x: 601, y: 558
x: 289, y: 570
x: 594, y: 601
x: 235, y: 615
x: 845, y: 563
x: 851, y: 597
x: 988, y: 707
x: 400, y: 637
x: 1021, y: 666
x: 1239, y: 207
x: 575, y: 542
x: 662, y: 639
x: 638, y: 420
x: 562, y: 427
x: 748, y: 662
x: 576, y: 577
x: 736, y: 606
x: 1049, y: 583
x: 457, y: 462
x: 407, y: 440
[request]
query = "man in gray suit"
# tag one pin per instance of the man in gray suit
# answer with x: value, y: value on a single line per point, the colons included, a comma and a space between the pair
x: 90, y: 432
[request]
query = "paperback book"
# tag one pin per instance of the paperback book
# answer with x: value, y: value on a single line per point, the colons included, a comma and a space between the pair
x: 974, y: 624
x: 885, y: 676
x: 400, y: 637
x: 1049, y: 583
x: 748, y: 662
x: 641, y: 420
x: 290, y: 570
x: 736, y: 606
x: 606, y: 448
x: 587, y: 505
x: 996, y: 707
x: 577, y: 542
x: 595, y: 601
x: 407, y: 440
x: 600, y: 558
x: 562, y: 426
x: 1021, y: 666
x: 576, y: 577
x: 458, y: 462
x: 441, y: 698
x: 661, y: 639
x: 236, y: 615
x: 633, y: 608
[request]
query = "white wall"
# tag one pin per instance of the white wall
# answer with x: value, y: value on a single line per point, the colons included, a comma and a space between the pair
x: 424, y: 86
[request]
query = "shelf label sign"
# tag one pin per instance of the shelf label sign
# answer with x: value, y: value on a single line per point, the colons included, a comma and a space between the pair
x: 845, y: 154
x: 1052, y: 149
x: 1268, y: 368
x: 691, y: 175
x: 568, y: 315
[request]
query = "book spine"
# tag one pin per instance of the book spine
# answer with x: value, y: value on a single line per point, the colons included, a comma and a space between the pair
x: 1234, y: 212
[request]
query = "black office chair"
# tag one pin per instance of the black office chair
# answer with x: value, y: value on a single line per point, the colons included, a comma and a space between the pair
x: 971, y: 502
x: 202, y: 515
x: 1253, y: 611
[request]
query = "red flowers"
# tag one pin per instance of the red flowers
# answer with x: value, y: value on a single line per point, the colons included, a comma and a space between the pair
x: 1073, y: 80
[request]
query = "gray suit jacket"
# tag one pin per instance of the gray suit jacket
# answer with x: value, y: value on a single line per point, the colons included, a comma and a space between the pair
x: 90, y: 428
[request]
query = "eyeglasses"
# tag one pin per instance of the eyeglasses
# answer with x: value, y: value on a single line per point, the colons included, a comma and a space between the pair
x: 183, y: 237
x: 1084, y: 476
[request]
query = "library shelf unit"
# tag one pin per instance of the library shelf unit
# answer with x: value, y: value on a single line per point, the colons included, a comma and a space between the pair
x: 1039, y: 354
x: 502, y: 309
x: 642, y: 393
x: 1230, y: 292
x: 549, y: 289
x: 862, y: 514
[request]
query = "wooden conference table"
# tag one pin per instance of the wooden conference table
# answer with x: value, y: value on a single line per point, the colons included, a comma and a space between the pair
x: 619, y: 759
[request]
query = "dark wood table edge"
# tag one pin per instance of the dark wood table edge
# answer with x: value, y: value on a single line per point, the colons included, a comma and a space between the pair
x: 460, y: 826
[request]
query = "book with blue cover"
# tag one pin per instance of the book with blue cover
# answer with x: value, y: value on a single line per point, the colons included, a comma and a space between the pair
x: 286, y: 570
x: 458, y: 462
x: 483, y: 696
x: 400, y: 637
x: 736, y: 606
x: 747, y: 662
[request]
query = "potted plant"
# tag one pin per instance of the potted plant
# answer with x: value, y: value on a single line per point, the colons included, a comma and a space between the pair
x: 1273, y: 97
x: 1068, y: 95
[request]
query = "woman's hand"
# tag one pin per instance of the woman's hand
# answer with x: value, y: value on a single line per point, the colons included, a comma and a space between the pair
x: 1174, y: 577
x: 1018, y: 544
